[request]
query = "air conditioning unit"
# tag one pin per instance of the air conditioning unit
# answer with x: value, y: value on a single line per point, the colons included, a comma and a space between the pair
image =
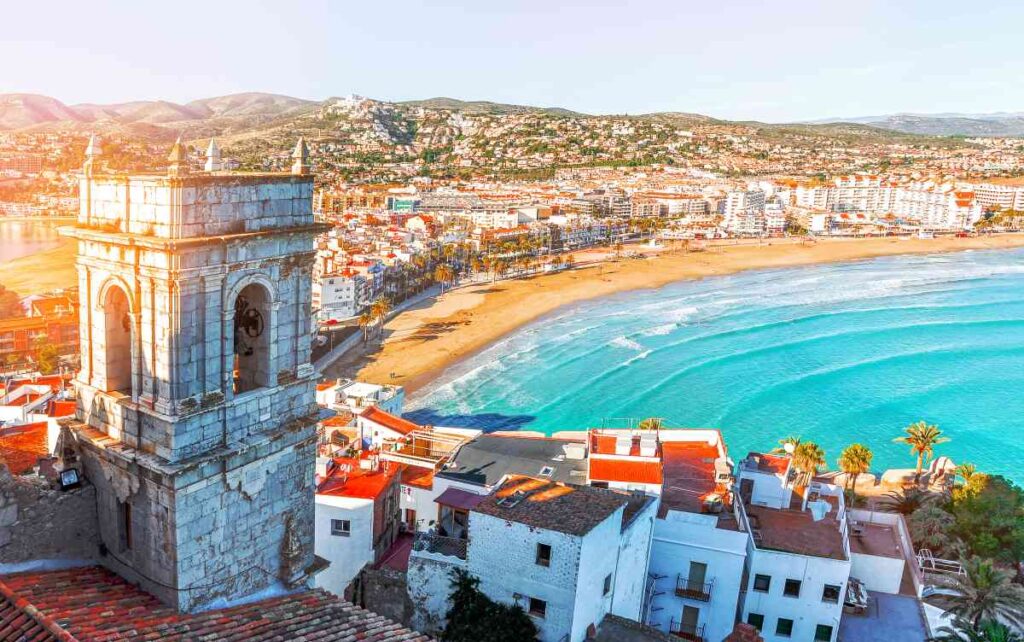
x: 623, y: 444
x: 575, y: 451
x: 648, y: 446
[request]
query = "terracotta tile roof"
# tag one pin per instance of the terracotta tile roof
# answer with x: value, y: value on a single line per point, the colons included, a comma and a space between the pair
x: 565, y: 508
x: 61, y: 408
x: 625, y: 470
x: 22, y: 446
x: 92, y: 604
x: 418, y: 476
x: 349, y: 479
x: 389, y: 421
x: 795, y: 531
x: 689, y: 472
x: 776, y: 464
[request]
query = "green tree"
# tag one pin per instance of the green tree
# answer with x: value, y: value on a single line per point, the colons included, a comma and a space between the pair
x: 989, y: 513
x: 985, y: 592
x: 922, y: 439
x: 807, y: 458
x: 930, y: 528
x: 474, y: 617
x: 651, y: 423
x: 444, y: 274
x: 855, y: 460
x: 10, y: 304
x: 905, y: 501
x: 987, y: 631
x: 792, y: 440
x: 46, y: 356
x: 365, y: 321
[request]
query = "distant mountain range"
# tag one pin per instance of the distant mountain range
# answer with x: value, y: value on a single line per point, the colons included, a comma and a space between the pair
x: 243, y: 112
x: 21, y: 111
x: 948, y: 124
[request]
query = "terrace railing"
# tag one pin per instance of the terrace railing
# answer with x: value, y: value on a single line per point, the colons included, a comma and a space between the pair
x: 440, y: 545
x: 686, y: 632
x: 694, y: 589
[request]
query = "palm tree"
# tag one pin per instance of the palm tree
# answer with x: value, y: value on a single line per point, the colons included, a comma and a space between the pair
x: 922, y: 438
x: 985, y: 592
x: 807, y: 458
x: 987, y: 631
x: 966, y: 472
x: 365, y: 321
x: 380, y: 309
x: 444, y: 274
x: 793, y: 441
x: 854, y: 461
x: 906, y: 501
x: 651, y: 423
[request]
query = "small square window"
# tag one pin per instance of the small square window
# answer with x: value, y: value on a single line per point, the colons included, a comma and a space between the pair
x: 538, y: 608
x: 607, y: 584
x: 831, y: 594
x: 792, y: 588
x: 784, y: 627
x: 543, y: 554
x: 755, y: 620
x: 823, y: 633
x: 762, y: 583
x: 341, y: 527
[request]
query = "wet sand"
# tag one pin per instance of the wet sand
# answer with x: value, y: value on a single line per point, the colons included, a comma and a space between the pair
x: 422, y: 342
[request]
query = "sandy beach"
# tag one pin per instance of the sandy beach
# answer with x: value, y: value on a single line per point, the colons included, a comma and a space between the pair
x: 42, y: 271
x: 424, y: 340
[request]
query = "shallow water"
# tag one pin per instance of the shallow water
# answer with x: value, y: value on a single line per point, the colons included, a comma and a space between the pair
x: 834, y: 353
x: 22, y: 238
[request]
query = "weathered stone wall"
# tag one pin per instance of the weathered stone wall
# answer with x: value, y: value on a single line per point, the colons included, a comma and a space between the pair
x: 384, y: 591
x: 196, y: 205
x: 37, y: 522
x: 429, y: 589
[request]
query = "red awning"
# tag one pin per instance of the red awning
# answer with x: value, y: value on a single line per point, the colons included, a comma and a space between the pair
x: 461, y: 499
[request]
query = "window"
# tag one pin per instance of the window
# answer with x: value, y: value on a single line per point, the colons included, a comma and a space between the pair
x: 252, y: 367
x: 755, y: 620
x: 784, y: 627
x: 124, y: 514
x: 538, y: 608
x: 822, y: 633
x: 762, y: 583
x: 831, y: 594
x: 341, y: 527
x: 543, y: 555
x: 547, y: 471
x: 607, y: 584
x: 792, y: 588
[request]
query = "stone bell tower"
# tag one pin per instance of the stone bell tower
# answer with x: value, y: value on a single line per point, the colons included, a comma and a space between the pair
x: 196, y: 412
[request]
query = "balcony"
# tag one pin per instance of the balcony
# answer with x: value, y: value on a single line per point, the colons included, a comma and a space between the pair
x: 694, y: 633
x: 693, y: 589
x: 440, y: 545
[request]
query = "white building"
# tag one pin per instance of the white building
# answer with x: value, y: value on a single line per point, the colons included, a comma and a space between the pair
x: 340, y: 295
x: 798, y: 553
x: 356, y: 517
x: 568, y: 554
x: 346, y: 395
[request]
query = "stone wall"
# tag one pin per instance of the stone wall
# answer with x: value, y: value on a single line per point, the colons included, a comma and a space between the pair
x: 385, y: 592
x: 429, y: 590
x: 39, y: 523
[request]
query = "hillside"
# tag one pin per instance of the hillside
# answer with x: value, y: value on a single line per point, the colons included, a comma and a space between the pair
x: 485, y: 107
x: 970, y: 125
x: 25, y: 110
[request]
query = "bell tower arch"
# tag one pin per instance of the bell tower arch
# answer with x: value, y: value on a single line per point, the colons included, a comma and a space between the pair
x: 196, y: 411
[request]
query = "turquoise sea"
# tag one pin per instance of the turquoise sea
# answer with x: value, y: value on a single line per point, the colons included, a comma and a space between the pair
x: 836, y: 354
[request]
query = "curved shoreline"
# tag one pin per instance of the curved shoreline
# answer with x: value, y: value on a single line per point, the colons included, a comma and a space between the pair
x: 423, y: 342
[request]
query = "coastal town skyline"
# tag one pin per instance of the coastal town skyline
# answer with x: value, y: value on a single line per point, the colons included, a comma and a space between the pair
x: 644, y: 322
x: 606, y: 59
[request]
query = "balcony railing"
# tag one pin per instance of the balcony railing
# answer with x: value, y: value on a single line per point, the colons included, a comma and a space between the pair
x: 694, y: 589
x: 440, y: 545
x: 686, y: 632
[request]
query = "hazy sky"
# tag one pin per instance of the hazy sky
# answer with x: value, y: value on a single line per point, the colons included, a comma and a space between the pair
x: 773, y: 60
